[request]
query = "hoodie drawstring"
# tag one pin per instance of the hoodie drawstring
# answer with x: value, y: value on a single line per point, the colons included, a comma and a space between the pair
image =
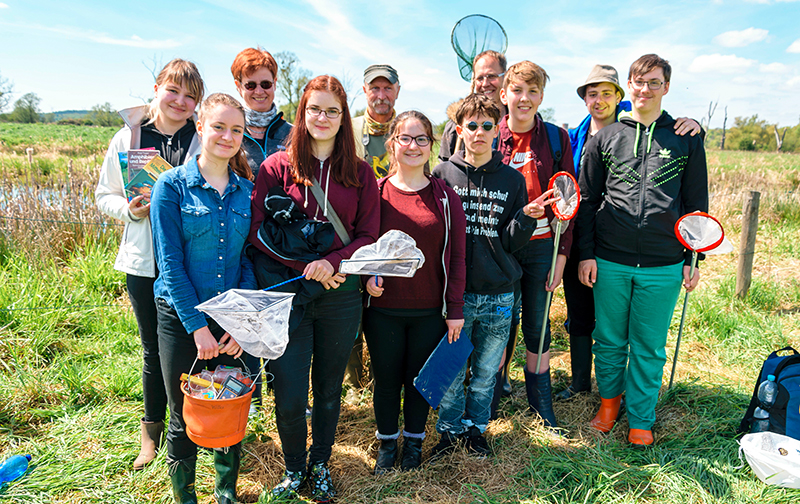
x: 327, y: 184
x: 650, y: 137
x: 636, y: 143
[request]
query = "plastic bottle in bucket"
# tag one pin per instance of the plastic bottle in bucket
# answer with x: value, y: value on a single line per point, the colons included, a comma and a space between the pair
x: 14, y: 467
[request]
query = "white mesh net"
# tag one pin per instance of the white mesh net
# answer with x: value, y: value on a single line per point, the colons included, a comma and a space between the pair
x: 257, y: 320
x: 565, y: 189
x: 394, y: 254
x: 699, y: 231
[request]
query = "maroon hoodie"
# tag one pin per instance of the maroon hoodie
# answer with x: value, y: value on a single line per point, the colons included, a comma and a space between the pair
x: 357, y: 207
x: 452, y: 258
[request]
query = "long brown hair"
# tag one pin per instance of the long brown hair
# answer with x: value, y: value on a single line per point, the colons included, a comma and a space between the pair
x: 344, y: 161
x: 238, y: 162
x: 392, y: 136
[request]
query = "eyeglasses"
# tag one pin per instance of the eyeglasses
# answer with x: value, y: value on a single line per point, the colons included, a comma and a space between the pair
x: 251, y: 85
x: 488, y: 77
x: 330, y: 113
x: 654, y: 84
x: 487, y: 126
x: 421, y: 141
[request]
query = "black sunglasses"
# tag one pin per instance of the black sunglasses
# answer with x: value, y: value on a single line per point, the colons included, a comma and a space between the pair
x: 250, y: 85
x: 487, y: 126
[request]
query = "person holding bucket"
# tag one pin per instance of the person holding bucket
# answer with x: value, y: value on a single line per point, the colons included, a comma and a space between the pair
x: 167, y: 126
x: 201, y: 217
x: 323, y: 177
x: 407, y: 318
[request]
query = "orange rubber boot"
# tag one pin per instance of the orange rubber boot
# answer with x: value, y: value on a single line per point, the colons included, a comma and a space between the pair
x: 607, y: 415
x: 640, y: 437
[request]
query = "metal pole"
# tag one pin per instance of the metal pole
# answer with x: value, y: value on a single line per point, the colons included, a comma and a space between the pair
x: 683, y: 318
x: 556, y: 241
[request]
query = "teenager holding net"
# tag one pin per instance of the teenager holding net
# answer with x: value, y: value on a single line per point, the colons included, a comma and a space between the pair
x: 322, y: 175
x: 407, y: 317
x: 201, y: 219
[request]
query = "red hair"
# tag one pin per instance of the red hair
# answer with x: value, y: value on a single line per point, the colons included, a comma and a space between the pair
x: 250, y: 60
x: 344, y: 161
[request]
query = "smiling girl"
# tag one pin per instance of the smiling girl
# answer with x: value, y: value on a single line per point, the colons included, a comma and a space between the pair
x: 165, y: 125
x: 321, y: 153
x: 201, y: 218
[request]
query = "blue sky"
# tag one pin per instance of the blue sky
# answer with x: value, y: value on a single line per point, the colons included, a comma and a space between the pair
x: 744, y: 53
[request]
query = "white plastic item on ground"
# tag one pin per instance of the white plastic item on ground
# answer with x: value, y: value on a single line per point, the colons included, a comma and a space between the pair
x: 774, y: 458
x: 394, y: 254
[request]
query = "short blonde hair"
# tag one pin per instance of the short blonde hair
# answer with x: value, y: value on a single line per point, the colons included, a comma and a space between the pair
x: 527, y: 72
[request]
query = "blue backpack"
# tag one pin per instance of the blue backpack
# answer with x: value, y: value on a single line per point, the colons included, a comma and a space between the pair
x: 784, y: 415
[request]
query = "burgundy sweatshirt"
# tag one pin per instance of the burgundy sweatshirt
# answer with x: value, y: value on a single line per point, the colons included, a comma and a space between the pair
x: 423, y: 216
x: 357, y: 207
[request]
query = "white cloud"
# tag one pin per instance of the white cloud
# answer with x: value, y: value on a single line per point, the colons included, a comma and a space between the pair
x: 3, y: 6
x: 773, y: 68
x: 722, y: 63
x: 741, y: 38
x: 795, y: 82
x: 795, y: 47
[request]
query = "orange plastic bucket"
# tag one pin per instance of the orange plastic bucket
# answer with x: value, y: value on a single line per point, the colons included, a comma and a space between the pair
x: 215, y: 423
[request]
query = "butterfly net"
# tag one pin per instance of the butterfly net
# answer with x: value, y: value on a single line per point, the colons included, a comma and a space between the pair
x: 257, y: 320
x: 566, y: 189
x: 471, y: 36
x: 701, y: 232
x: 394, y: 254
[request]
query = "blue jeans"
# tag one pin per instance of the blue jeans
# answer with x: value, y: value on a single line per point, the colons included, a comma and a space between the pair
x: 535, y: 259
x: 487, y: 320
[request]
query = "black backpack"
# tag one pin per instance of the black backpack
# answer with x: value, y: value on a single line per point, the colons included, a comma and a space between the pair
x: 784, y: 415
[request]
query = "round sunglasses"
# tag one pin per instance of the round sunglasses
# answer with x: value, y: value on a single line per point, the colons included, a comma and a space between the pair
x: 486, y: 125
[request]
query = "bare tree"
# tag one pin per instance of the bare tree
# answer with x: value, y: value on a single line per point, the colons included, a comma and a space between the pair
x: 711, y: 111
x: 724, y: 124
x: 5, y: 92
x: 352, y: 87
x: 779, y: 138
x: 290, y: 81
x: 154, y: 66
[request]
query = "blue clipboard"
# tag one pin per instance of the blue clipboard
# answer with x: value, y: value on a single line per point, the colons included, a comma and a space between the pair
x: 441, y: 369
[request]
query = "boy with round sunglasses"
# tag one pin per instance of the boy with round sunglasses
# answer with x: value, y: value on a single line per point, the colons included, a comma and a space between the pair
x: 499, y: 221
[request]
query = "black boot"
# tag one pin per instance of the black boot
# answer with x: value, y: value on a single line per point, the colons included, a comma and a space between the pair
x: 182, y: 473
x: 580, y: 349
x: 412, y: 453
x: 227, y: 467
x: 498, y: 393
x: 387, y: 455
x: 540, y: 396
x: 510, y: 347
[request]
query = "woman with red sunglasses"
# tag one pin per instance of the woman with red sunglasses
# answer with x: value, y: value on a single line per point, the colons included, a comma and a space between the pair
x: 254, y: 73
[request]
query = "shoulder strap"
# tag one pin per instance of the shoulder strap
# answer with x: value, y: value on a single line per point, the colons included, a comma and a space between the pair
x: 333, y: 217
x: 555, y: 143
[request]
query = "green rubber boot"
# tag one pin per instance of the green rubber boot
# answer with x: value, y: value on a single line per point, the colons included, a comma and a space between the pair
x: 182, y: 473
x: 227, y: 467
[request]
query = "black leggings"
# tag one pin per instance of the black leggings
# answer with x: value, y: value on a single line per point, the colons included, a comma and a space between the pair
x: 140, y: 292
x: 320, y: 346
x: 399, y: 345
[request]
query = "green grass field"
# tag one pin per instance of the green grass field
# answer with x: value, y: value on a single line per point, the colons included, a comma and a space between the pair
x: 70, y: 391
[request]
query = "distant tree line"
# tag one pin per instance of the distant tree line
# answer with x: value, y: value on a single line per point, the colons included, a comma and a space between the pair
x: 754, y: 134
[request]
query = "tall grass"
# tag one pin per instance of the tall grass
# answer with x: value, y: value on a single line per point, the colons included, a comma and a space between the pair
x: 70, y: 389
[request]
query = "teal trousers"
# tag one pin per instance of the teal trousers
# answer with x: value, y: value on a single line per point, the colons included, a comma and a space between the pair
x: 633, y: 308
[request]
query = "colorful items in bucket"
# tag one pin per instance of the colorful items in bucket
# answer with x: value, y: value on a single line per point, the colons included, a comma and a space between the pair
x: 225, y: 382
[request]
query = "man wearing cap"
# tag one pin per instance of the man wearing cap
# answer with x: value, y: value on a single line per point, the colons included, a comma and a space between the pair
x: 603, y: 96
x: 488, y: 69
x: 381, y: 87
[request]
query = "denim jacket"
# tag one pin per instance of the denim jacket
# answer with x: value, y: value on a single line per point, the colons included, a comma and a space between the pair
x: 199, y: 240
